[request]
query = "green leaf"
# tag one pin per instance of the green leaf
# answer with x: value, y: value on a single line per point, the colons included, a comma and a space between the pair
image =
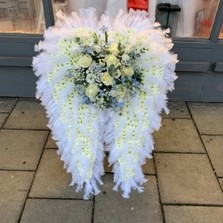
x: 111, y: 69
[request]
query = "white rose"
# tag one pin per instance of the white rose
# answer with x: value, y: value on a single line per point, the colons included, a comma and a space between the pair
x: 106, y: 79
x: 114, y: 49
x: 91, y: 91
x: 111, y: 60
x: 85, y: 61
x: 128, y: 71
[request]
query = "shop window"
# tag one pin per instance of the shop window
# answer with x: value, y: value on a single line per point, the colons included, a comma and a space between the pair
x: 59, y: 5
x: 185, y: 18
x: 69, y: 6
x: 194, y: 18
x: 21, y: 16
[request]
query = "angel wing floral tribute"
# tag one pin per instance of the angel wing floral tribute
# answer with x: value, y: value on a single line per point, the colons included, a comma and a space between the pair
x: 104, y: 82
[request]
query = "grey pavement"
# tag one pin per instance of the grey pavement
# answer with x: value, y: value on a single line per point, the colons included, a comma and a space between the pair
x: 185, y: 178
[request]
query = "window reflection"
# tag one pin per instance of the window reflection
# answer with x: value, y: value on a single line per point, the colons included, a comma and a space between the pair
x: 69, y: 6
x: 194, y: 19
x: 21, y: 16
x: 204, y: 18
x: 185, y: 18
x: 221, y: 33
x: 59, y: 5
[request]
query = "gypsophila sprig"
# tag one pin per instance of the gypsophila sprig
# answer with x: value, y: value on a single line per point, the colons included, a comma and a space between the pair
x: 106, y: 72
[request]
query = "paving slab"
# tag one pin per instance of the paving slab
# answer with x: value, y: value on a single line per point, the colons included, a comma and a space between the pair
x: 214, y: 146
x: 51, y: 180
x: 221, y: 182
x: 14, y: 187
x: 177, y: 110
x: 21, y: 149
x: 178, y: 135
x: 50, y: 144
x: 29, y: 99
x: 208, y: 117
x: 111, y: 207
x: 57, y: 211
x: 6, y: 104
x: 187, y: 179
x: 148, y: 168
x: 3, y: 117
x: 27, y: 115
x: 188, y: 214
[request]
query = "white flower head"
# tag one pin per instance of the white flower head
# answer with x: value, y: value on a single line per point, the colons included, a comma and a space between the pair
x: 85, y: 61
x: 111, y: 60
x: 106, y: 79
x: 128, y: 71
x: 113, y: 49
x: 91, y: 91
x: 97, y: 48
x: 120, y: 94
x: 125, y: 57
x: 117, y: 74
x: 112, y: 93
x: 75, y: 49
x: 90, y: 78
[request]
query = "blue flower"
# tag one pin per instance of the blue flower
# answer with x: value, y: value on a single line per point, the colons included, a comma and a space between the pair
x: 101, y: 92
x: 120, y: 104
x: 89, y: 50
x: 104, y: 29
x: 85, y: 99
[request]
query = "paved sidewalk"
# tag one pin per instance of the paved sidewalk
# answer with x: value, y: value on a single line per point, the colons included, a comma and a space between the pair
x: 185, y: 177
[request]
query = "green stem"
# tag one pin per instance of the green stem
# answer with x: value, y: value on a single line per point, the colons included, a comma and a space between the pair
x: 106, y: 36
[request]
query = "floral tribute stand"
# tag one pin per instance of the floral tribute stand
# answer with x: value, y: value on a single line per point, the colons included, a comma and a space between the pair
x: 104, y: 82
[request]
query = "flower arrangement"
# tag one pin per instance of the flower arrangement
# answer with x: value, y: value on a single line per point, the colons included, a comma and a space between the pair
x: 104, y: 82
x: 107, y: 73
